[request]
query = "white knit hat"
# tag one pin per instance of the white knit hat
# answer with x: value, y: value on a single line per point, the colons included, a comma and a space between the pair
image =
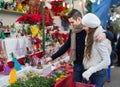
x: 91, y: 20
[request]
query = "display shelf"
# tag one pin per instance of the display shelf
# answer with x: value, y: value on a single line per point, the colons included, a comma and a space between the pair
x: 11, y: 12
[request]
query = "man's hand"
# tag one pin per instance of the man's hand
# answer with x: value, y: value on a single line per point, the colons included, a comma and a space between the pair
x: 48, y: 59
x: 100, y: 37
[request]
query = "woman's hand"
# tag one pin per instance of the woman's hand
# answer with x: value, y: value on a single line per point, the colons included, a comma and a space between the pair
x: 86, y: 75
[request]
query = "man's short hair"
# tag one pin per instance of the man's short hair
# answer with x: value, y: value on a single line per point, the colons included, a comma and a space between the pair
x: 74, y: 13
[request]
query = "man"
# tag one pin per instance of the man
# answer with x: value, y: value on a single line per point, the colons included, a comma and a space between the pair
x: 76, y: 42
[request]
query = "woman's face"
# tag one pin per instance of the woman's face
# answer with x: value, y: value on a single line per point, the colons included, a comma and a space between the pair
x: 74, y: 23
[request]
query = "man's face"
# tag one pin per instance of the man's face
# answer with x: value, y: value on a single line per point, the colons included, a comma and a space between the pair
x: 74, y: 23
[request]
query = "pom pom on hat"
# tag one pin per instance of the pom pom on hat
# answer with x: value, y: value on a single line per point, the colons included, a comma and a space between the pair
x: 91, y: 20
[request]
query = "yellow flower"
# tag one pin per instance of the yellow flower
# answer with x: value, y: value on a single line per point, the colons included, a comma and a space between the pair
x: 19, y: 7
x: 34, y: 30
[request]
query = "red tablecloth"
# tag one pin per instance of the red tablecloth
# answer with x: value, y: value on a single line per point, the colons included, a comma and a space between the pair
x: 66, y: 82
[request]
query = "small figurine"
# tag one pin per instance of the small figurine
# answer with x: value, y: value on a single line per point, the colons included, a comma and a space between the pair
x: 3, y: 62
x: 2, y: 35
x: 17, y: 65
x: 6, y: 68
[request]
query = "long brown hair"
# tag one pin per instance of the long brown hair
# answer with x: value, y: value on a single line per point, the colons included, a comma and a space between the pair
x: 89, y: 42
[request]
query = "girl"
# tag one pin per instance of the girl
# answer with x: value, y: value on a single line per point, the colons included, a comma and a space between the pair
x: 96, y: 54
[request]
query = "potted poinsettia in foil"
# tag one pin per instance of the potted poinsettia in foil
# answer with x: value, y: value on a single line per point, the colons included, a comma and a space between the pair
x: 35, y: 19
x: 35, y: 25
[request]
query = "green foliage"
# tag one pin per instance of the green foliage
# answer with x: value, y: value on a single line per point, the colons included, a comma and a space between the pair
x: 27, y: 59
x: 47, y: 37
x: 116, y: 26
x: 88, y: 6
x: 36, y: 81
x: 2, y: 3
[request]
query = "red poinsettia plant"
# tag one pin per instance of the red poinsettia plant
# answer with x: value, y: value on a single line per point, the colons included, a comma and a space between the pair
x: 34, y: 19
x: 60, y: 37
x: 57, y: 7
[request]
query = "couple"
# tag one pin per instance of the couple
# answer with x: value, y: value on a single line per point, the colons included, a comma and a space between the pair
x: 90, y: 50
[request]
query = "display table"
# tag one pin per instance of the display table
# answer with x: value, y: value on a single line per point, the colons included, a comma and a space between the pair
x: 63, y: 82
x: 66, y: 82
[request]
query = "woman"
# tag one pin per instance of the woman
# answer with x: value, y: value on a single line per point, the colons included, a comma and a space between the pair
x: 96, y: 54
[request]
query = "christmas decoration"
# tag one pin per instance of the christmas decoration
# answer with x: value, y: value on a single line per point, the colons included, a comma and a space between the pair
x: 6, y: 68
x: 13, y: 78
x: 17, y: 65
x: 27, y: 59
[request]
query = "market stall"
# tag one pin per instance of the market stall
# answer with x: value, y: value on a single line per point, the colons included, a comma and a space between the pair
x: 36, y: 34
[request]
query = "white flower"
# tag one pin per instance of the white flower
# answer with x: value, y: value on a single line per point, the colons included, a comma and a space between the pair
x: 93, y: 1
